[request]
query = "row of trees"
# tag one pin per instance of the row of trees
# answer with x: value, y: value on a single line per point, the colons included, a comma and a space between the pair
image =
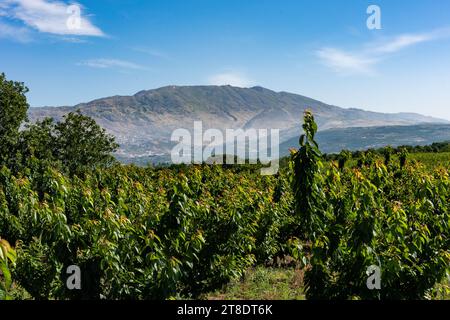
x: 141, y: 233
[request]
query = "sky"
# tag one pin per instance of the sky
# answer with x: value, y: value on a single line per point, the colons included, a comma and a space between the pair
x: 394, y: 57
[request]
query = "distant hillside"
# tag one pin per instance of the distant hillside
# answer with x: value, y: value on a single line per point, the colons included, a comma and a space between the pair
x: 143, y: 123
x: 335, y: 140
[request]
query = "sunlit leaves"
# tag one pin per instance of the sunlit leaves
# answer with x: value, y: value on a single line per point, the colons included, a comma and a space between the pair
x: 395, y: 216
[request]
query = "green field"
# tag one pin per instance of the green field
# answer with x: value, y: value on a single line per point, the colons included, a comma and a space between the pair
x: 432, y: 160
x: 428, y: 160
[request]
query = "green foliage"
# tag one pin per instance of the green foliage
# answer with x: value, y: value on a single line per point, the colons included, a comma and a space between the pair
x: 306, y: 167
x: 76, y: 145
x: 432, y: 160
x: 394, y: 217
x: 81, y: 144
x: 13, y: 111
x: 343, y: 157
x: 7, y: 260
x: 140, y: 233
x: 403, y: 154
x: 37, y: 140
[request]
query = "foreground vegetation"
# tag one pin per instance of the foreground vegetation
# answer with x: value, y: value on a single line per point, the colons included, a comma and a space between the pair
x: 284, y: 281
x: 187, y: 231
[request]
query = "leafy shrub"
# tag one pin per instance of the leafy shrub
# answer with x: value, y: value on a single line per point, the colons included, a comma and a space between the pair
x: 7, y: 259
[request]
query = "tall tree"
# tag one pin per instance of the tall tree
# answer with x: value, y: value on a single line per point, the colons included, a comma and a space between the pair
x: 13, y: 111
x: 81, y: 144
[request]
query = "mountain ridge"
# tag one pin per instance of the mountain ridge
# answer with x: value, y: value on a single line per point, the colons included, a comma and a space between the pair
x: 144, y: 121
x: 256, y: 88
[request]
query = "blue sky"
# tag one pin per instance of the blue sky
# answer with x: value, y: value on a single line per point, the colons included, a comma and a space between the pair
x: 321, y: 49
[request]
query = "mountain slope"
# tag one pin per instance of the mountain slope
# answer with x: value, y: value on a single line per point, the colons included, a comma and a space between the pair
x: 335, y: 140
x: 143, y: 123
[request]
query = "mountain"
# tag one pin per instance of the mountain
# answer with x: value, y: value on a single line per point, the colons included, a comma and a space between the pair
x: 143, y: 123
x: 357, y: 138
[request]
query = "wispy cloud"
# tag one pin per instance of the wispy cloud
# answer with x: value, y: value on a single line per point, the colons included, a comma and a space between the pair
x: 151, y: 52
x: 402, y: 42
x: 111, y: 64
x: 73, y: 39
x: 49, y: 16
x: 363, y: 61
x: 19, y: 34
x: 230, y: 78
x: 345, y: 62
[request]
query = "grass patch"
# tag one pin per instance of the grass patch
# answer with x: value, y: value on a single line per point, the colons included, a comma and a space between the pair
x: 264, y: 283
x: 267, y: 283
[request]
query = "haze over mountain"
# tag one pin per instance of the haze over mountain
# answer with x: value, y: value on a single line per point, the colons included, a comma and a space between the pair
x: 357, y: 138
x: 143, y: 123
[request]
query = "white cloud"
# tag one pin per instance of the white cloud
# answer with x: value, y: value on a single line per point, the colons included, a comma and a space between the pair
x: 111, y: 64
x: 230, y: 78
x: 49, y: 16
x: 364, y: 60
